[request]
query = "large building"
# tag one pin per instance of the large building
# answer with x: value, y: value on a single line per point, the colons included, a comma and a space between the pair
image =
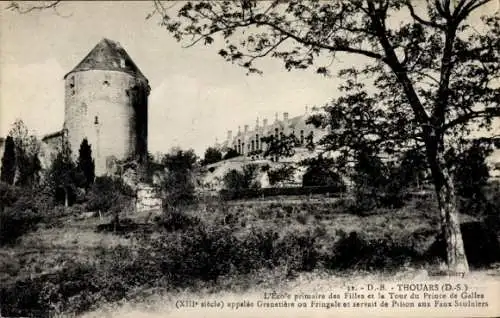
x: 248, y: 142
x: 106, y: 102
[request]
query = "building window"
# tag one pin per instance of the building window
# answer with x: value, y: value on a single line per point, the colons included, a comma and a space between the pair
x: 105, y: 83
x: 96, y: 120
x: 301, y: 137
x: 72, y: 85
x: 253, y: 145
x: 276, y: 132
x: 257, y: 142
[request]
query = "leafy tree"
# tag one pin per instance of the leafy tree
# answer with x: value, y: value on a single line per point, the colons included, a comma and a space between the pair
x: 9, y: 161
x: 281, y: 174
x: 413, y: 168
x: 470, y: 170
x: 178, y: 185
x: 373, y: 180
x: 86, y: 163
x: 320, y: 172
x: 231, y: 153
x: 431, y: 73
x: 109, y: 194
x: 212, y: 155
x: 149, y: 167
x: 310, y: 141
x: 280, y: 146
x: 64, y: 176
x: 27, y: 148
x: 236, y: 180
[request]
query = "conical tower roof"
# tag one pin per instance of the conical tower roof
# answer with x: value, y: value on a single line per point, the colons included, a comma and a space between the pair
x: 108, y: 55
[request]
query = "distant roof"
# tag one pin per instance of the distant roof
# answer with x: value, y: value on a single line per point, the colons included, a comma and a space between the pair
x: 108, y: 55
x: 53, y: 135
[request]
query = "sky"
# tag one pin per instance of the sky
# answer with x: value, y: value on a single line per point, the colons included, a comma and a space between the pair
x: 195, y: 95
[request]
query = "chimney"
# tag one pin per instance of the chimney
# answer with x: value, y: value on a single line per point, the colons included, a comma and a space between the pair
x: 276, y: 117
x: 264, y: 122
x: 257, y: 123
x: 246, y: 129
x: 239, y: 130
x: 285, y: 116
x: 229, y: 135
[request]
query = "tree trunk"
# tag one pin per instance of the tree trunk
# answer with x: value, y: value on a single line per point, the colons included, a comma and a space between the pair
x: 450, y: 224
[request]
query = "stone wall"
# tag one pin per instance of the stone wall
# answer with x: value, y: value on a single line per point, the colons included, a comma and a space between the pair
x: 148, y: 198
x: 109, y: 108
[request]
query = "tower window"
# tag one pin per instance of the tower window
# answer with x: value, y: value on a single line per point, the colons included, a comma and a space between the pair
x: 72, y: 85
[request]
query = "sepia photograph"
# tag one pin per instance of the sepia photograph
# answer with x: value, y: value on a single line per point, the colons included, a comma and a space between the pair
x: 250, y: 158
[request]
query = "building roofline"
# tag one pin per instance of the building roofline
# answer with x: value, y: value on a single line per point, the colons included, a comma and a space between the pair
x: 115, y: 48
x: 53, y: 135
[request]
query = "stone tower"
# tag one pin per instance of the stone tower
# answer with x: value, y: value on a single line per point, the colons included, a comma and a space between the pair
x: 106, y: 101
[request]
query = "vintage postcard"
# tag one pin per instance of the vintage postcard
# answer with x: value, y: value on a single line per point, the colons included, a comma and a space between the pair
x: 250, y: 158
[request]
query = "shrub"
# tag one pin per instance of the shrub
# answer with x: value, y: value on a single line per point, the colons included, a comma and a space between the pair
x: 178, y: 185
x: 20, y: 211
x: 238, y: 180
x: 174, y: 221
x: 320, y: 173
x: 108, y: 194
x: 281, y: 174
x: 212, y: 155
x: 354, y: 252
x: 297, y: 251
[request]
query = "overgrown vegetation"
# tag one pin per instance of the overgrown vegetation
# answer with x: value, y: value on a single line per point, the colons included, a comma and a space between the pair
x: 417, y: 82
x: 283, y: 173
x: 196, y: 247
x: 321, y: 172
x: 236, y: 180
x: 9, y: 161
x: 178, y: 186
x: 212, y: 155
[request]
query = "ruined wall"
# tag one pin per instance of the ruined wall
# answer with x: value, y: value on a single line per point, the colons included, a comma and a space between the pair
x: 148, y: 198
x: 49, y: 148
x: 109, y: 108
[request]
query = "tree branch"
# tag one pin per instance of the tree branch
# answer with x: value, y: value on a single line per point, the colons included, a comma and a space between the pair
x: 339, y: 47
x: 14, y: 6
x: 421, y: 20
x: 488, y: 112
